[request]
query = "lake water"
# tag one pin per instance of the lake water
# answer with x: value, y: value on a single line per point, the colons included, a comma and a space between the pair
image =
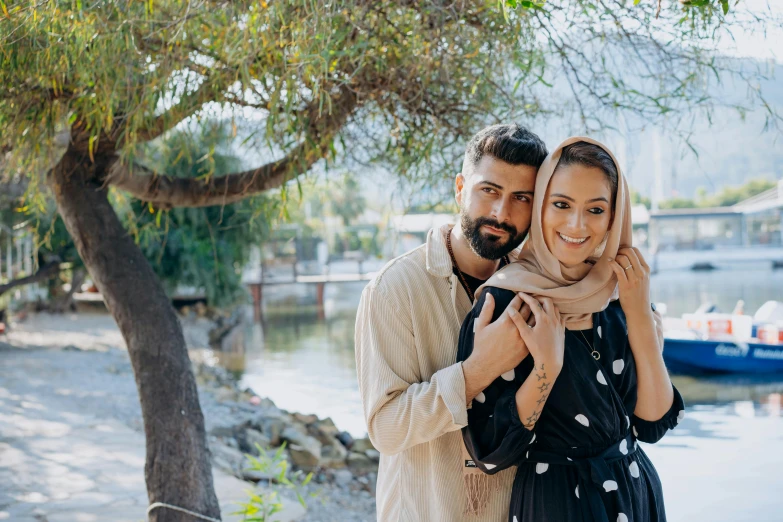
x: 723, y: 463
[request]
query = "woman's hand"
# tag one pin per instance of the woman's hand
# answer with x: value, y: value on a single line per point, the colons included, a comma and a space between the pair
x: 546, y: 339
x: 633, y: 275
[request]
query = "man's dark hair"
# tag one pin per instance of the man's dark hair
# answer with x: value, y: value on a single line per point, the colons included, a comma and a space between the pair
x: 508, y: 142
x: 589, y: 155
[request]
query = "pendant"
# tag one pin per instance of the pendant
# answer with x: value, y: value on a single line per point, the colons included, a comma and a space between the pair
x: 595, y: 354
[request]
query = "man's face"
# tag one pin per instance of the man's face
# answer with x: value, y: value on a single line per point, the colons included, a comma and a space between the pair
x: 496, y: 205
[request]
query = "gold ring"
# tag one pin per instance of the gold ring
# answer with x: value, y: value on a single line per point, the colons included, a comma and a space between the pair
x: 627, y: 267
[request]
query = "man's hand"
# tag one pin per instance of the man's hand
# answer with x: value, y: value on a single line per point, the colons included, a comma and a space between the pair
x: 497, y: 347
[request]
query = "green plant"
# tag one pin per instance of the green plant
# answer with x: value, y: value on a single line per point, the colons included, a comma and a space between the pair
x: 261, y: 506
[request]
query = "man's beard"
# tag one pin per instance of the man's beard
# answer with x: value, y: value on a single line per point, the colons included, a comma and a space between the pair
x: 489, y: 246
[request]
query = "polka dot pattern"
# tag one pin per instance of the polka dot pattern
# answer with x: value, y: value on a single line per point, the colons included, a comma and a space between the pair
x: 509, y: 375
x: 600, y: 377
x: 634, y: 469
x: 541, y: 468
x: 610, y: 485
x: 581, y: 419
x: 618, y: 366
x: 481, y: 397
x: 622, y: 518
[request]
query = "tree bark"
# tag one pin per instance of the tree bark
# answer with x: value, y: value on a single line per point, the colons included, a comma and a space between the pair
x: 178, y: 469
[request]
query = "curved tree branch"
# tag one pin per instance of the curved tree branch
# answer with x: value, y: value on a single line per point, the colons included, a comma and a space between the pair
x: 47, y: 271
x: 168, y: 191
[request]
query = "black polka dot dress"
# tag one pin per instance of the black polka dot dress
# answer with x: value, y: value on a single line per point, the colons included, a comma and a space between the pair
x: 581, y: 462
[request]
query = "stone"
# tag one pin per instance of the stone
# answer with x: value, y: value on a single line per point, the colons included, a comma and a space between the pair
x: 271, y: 427
x: 304, y: 418
x: 333, y: 455
x: 345, y: 439
x: 223, y: 431
x: 362, y: 445
x: 304, y: 458
x: 343, y: 478
x: 226, y: 458
x: 327, y: 427
x: 373, y: 455
x: 253, y: 439
x: 297, y: 435
x: 360, y: 462
x: 305, y: 450
x: 326, y: 433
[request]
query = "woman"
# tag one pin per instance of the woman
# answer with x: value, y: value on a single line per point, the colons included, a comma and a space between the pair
x: 569, y: 416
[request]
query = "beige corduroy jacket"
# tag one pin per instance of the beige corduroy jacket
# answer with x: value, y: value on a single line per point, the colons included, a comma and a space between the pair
x: 413, y: 390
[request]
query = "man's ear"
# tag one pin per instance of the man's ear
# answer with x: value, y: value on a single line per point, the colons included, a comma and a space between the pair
x: 459, y: 186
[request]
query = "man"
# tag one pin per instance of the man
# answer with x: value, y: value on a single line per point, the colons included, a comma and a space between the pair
x: 415, y: 396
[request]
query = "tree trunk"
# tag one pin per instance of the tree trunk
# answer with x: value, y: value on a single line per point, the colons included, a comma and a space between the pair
x: 178, y: 469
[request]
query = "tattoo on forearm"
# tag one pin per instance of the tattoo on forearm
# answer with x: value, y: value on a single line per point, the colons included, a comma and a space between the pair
x: 544, y: 386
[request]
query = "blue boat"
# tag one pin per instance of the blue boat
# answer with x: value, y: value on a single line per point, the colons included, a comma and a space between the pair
x: 717, y: 356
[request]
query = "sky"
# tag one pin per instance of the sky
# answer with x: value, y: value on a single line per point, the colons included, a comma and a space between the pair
x: 756, y: 44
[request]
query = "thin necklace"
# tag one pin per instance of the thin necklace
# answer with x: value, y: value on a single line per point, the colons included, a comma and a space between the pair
x: 503, y: 262
x: 596, y: 355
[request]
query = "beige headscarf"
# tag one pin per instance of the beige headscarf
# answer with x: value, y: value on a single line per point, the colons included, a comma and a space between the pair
x: 578, y: 291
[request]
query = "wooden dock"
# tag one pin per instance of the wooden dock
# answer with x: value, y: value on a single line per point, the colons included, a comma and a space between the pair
x: 320, y: 280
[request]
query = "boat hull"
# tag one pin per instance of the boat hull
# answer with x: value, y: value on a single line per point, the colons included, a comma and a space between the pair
x: 694, y: 356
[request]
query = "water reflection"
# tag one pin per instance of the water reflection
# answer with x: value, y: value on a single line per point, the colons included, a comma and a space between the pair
x: 684, y: 291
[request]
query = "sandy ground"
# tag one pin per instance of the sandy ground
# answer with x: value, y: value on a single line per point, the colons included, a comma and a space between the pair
x: 71, y: 442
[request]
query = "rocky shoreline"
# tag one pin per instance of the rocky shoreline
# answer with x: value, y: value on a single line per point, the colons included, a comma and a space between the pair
x: 310, y: 444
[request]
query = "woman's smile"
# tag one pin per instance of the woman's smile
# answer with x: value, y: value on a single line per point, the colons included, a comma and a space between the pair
x: 571, y: 241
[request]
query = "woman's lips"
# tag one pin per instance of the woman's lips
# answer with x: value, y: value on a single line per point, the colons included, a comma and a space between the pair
x: 574, y: 246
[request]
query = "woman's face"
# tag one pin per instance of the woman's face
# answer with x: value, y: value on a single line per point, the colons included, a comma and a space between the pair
x: 577, y: 213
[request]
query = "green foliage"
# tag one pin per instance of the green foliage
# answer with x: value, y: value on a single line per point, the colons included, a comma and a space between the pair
x: 262, y: 506
x: 733, y: 195
x: 638, y: 199
x: 725, y: 198
x: 205, y: 248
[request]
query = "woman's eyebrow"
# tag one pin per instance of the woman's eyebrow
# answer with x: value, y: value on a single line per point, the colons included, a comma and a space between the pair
x: 556, y: 195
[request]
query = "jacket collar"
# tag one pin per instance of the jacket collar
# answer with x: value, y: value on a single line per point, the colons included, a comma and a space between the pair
x: 438, y: 258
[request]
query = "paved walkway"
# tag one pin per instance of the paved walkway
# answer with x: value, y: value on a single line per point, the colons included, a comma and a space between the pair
x: 67, y: 453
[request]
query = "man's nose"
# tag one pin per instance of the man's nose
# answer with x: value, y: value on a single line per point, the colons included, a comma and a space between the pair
x: 501, y: 211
